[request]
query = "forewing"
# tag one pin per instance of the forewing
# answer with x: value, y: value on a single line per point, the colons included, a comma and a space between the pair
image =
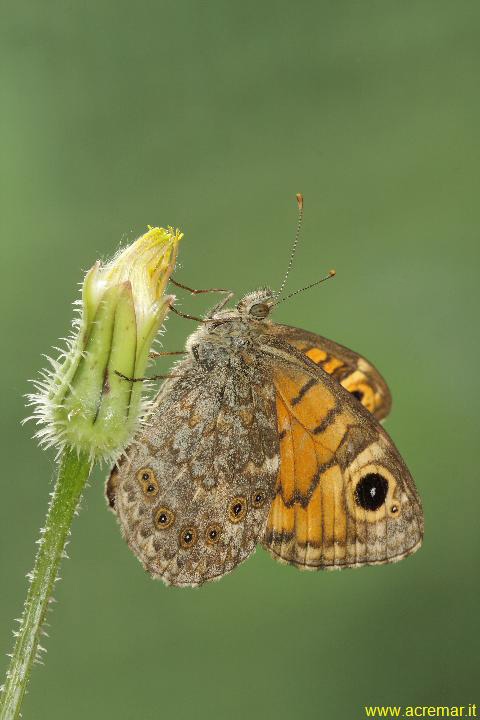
x: 352, y: 371
x: 344, y: 496
x: 193, y: 495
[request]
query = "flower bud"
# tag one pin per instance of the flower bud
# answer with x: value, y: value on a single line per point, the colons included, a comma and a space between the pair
x: 83, y: 401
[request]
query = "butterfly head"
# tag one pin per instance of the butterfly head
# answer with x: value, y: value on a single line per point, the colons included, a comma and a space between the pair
x: 233, y: 326
x: 256, y: 305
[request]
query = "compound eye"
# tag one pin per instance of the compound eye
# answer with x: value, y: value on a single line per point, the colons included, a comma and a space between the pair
x: 163, y: 518
x: 237, y: 509
x: 213, y: 533
x: 259, y: 310
x: 188, y: 537
x: 148, y: 483
x: 258, y: 498
x: 371, y: 491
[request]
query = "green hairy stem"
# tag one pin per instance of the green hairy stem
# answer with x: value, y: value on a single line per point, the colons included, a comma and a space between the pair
x: 73, y: 472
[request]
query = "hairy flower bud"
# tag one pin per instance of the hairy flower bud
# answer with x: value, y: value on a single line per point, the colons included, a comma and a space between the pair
x: 83, y: 401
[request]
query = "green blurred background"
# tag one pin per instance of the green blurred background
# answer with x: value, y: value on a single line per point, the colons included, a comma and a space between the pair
x: 211, y: 116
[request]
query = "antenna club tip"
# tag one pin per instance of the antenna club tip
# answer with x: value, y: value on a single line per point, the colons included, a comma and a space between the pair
x: 332, y: 273
x: 299, y: 197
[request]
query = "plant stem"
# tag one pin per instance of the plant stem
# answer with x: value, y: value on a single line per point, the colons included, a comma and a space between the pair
x: 73, y: 472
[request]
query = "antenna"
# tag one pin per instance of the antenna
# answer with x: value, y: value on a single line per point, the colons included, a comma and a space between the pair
x: 295, y: 242
x: 331, y: 273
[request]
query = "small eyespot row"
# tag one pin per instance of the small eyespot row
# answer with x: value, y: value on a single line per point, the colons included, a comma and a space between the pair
x: 164, y: 518
x: 148, y: 482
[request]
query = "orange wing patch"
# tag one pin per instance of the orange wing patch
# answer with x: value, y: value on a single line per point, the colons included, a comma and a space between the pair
x: 307, y: 516
x: 315, y: 519
x: 315, y: 354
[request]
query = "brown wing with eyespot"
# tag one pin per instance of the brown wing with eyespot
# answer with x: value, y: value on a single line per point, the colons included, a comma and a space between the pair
x: 194, y: 493
x: 344, y: 497
x: 351, y: 370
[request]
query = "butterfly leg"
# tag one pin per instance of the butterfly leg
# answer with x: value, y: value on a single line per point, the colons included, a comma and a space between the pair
x: 197, y: 292
x: 145, y: 379
x: 155, y: 354
x: 222, y: 303
x: 184, y: 315
x: 228, y: 295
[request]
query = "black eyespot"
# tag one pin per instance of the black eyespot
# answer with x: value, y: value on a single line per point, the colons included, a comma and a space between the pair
x: 358, y: 394
x: 163, y: 518
x: 188, y: 537
x: 148, y: 482
x: 394, y: 509
x: 371, y: 491
x: 212, y: 533
x: 258, y: 498
x: 237, y: 509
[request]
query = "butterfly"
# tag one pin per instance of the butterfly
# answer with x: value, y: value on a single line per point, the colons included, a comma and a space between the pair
x: 265, y: 434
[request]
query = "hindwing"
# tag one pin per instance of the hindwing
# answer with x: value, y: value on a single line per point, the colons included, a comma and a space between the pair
x: 193, y: 494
